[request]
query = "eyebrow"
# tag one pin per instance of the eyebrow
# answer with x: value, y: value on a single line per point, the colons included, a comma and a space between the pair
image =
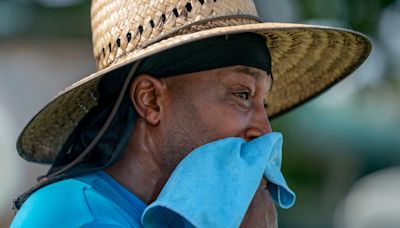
x: 247, y: 70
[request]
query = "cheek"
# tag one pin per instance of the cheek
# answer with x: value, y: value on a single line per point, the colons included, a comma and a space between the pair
x: 220, y: 115
x: 226, y: 121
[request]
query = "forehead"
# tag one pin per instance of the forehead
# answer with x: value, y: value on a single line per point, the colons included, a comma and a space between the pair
x: 234, y: 74
x: 253, y: 72
x: 220, y: 79
x: 245, y: 73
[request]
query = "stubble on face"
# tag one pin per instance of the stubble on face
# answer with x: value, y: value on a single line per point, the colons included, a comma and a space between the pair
x: 204, y: 107
x: 186, y: 129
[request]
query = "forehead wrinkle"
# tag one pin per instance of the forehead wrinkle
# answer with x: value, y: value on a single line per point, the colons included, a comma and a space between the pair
x: 249, y: 71
x: 255, y: 74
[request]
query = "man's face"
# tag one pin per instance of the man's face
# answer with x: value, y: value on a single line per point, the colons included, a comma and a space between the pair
x: 181, y: 113
x: 210, y: 105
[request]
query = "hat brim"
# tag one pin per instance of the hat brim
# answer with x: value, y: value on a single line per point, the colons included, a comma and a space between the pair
x: 306, y: 61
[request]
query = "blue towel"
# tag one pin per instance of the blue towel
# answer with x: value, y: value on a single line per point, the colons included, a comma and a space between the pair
x: 214, y: 185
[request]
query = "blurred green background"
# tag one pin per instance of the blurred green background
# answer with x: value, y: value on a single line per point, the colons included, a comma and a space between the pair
x: 341, y: 150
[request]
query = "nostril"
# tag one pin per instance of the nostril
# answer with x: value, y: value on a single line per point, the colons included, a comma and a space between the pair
x: 252, y: 133
x: 251, y: 138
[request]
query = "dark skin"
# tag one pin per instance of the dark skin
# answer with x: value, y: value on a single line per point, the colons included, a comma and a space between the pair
x: 178, y: 114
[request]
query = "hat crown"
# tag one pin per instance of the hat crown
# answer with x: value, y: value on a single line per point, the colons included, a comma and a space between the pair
x: 120, y: 27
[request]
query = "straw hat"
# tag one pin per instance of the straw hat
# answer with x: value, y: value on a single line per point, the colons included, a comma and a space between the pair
x: 306, y: 59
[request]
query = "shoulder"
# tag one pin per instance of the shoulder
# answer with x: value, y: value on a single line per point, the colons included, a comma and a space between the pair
x: 68, y: 203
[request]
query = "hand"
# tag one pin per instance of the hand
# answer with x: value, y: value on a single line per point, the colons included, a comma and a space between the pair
x: 262, y: 211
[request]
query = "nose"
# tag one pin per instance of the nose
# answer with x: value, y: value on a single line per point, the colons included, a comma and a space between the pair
x: 259, y: 124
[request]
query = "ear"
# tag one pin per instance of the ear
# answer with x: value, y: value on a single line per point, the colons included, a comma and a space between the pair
x: 148, y: 95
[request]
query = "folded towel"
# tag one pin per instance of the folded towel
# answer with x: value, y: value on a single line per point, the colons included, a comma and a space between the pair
x: 214, y: 185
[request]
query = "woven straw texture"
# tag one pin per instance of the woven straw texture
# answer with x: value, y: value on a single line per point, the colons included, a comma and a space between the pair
x: 306, y: 59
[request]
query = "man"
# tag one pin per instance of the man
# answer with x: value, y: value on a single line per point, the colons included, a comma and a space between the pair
x: 173, y: 129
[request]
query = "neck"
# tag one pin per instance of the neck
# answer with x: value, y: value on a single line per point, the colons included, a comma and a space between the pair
x: 138, y: 170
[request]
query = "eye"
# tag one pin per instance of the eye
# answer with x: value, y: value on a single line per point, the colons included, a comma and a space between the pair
x: 243, y: 95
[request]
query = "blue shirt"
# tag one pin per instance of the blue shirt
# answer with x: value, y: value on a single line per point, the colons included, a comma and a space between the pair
x: 92, y: 200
